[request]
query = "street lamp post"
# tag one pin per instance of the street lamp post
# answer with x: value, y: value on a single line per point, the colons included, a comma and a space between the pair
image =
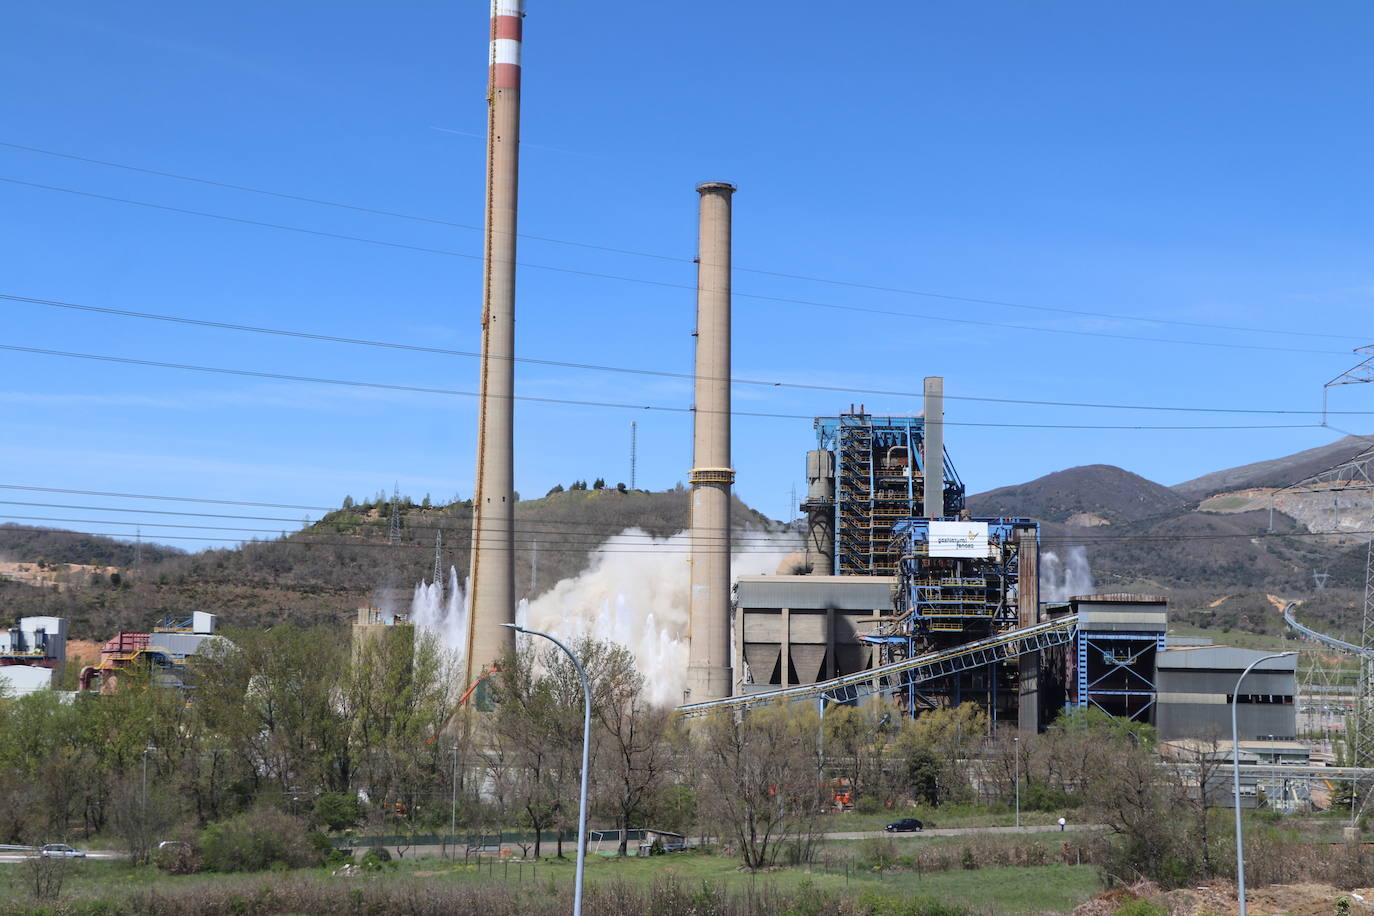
x: 586, y: 747
x: 150, y: 747
x: 1016, y: 752
x: 453, y: 804
x: 144, y: 829
x: 1235, y: 777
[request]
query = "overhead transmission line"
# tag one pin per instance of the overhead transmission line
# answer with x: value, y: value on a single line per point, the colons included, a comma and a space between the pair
x: 382, y: 543
x: 686, y: 376
x: 278, y: 376
x: 283, y: 537
x: 374, y: 211
x: 785, y: 300
x: 554, y: 526
x: 551, y: 527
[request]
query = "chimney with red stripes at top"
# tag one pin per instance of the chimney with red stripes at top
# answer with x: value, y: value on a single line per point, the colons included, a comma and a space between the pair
x: 492, y: 573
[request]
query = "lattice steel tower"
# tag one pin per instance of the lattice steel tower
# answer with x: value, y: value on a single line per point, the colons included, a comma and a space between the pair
x: 1355, y: 474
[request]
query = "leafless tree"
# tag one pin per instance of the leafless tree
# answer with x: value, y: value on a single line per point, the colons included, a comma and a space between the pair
x: 638, y: 750
x: 757, y: 778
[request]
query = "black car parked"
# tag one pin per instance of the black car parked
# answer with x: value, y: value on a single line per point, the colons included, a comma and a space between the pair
x: 905, y: 825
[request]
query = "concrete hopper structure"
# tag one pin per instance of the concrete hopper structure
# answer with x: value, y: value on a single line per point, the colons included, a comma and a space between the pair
x: 710, y: 674
x: 493, y: 504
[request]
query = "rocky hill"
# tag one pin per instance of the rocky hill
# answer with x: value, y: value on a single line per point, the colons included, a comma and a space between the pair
x: 1207, y: 538
x: 1276, y: 472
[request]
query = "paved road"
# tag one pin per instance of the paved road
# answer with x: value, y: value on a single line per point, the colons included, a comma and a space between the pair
x: 960, y: 831
x: 569, y: 847
x: 9, y: 858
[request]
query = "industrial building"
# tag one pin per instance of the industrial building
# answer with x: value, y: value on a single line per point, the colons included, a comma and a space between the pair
x: 1197, y: 684
x: 160, y: 654
x: 908, y: 596
x: 33, y: 653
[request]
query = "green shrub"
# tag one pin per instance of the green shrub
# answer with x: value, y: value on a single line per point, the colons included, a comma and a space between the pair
x: 1141, y: 907
x: 1038, y: 797
x: 177, y: 857
x: 376, y: 859
x: 869, y: 804
x: 259, y: 840
x: 873, y: 903
x: 337, y: 811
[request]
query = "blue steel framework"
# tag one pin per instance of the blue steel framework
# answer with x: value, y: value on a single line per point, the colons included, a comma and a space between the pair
x: 947, y: 601
x: 879, y: 477
x: 1115, y: 672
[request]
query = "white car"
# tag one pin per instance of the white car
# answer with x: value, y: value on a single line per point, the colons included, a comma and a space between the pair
x: 61, y: 851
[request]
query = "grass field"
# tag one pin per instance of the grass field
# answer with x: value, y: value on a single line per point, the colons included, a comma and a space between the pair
x: 1012, y: 891
x: 1238, y: 638
x: 1042, y: 889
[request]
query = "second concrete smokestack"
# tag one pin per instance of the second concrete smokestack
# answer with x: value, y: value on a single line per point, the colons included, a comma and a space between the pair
x: 710, y: 672
x: 933, y: 452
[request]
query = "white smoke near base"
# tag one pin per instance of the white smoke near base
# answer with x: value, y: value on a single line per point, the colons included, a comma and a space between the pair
x: 633, y: 592
x: 1061, y: 580
x: 444, y: 616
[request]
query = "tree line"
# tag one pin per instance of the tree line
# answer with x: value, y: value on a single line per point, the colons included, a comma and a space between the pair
x: 369, y: 736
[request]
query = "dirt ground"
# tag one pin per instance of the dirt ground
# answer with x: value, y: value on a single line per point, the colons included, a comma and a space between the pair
x: 1220, y: 900
x: 82, y: 652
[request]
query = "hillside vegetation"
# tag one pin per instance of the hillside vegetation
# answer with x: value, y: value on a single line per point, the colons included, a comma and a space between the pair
x: 1136, y: 535
x: 1101, y: 491
x: 326, y: 571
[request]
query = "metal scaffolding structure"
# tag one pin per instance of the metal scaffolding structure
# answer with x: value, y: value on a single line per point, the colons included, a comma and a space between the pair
x: 1115, y: 673
x: 879, y: 481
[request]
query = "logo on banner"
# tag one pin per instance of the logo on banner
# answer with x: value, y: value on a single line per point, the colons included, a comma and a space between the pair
x: 959, y: 539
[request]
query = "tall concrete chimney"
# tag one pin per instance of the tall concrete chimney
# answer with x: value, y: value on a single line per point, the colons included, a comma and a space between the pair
x: 710, y: 671
x: 933, y: 453
x: 492, y: 571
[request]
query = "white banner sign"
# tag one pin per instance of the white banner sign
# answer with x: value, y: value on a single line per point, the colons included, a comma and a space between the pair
x: 959, y: 539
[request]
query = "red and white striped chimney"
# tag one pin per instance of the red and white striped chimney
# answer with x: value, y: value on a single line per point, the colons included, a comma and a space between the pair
x: 507, y: 18
x: 492, y: 574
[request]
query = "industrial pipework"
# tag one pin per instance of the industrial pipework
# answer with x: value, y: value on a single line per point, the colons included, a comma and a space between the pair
x: 493, y: 502
x: 710, y: 673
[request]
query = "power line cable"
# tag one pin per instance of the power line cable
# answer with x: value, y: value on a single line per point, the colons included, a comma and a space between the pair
x: 785, y: 300
x: 672, y: 258
x: 304, y: 539
x: 278, y: 376
x: 180, y: 499
x: 550, y: 527
x: 665, y: 549
x: 686, y: 376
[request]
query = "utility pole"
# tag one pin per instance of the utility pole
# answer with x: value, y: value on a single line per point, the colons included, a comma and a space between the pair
x: 534, y: 570
x: 634, y: 436
x: 395, y: 537
x: 453, y: 812
x: 1355, y: 474
x: 438, y: 552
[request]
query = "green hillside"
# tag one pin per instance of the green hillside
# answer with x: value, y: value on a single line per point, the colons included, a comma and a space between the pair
x: 325, y: 572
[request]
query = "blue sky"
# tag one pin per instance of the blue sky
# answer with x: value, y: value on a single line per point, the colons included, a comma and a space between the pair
x: 1203, y: 162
